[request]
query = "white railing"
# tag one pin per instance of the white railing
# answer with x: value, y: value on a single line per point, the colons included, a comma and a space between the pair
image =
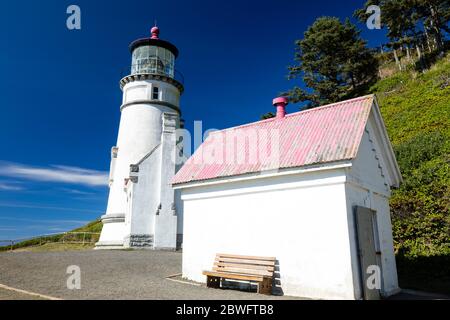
x: 63, y: 238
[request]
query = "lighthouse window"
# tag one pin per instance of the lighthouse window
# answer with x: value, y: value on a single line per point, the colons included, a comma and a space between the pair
x: 155, y: 95
x: 153, y: 60
x: 152, y: 51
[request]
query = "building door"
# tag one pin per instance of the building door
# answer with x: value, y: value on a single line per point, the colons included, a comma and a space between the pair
x: 370, y: 268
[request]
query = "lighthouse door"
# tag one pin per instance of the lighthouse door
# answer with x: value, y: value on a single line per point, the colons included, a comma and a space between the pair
x: 368, y: 252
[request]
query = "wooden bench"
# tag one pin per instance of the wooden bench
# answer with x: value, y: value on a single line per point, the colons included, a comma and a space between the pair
x: 247, y: 268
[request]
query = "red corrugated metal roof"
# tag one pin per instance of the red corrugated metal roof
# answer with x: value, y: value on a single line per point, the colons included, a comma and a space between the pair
x: 326, y: 134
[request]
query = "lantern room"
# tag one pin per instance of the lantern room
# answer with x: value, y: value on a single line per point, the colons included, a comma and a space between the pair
x: 153, y: 56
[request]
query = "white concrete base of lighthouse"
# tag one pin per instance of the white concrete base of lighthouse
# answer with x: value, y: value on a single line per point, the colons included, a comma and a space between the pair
x: 113, y: 230
x: 150, y: 220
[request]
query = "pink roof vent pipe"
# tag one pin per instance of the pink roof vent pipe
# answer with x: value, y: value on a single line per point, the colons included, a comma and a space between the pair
x: 281, y: 103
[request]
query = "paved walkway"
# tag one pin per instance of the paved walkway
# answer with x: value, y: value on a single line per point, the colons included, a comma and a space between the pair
x: 115, y: 275
x: 105, y: 275
x: 13, y: 295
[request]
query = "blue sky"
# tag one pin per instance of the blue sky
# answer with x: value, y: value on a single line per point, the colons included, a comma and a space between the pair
x: 60, y: 93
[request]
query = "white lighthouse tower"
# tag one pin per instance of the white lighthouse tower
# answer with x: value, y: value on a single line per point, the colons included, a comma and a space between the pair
x: 142, y: 206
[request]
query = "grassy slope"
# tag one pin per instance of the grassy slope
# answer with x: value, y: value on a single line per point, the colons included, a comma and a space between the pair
x: 416, y: 110
x: 95, y: 226
x: 54, y: 243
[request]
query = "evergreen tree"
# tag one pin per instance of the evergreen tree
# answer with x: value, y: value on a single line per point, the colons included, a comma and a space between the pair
x: 333, y: 62
x: 435, y: 16
x: 400, y: 17
x: 267, y: 115
x: 411, y: 24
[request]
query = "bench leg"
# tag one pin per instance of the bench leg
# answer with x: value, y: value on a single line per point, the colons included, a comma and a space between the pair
x: 212, y: 282
x: 265, y: 287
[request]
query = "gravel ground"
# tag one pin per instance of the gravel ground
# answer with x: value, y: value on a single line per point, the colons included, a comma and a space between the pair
x: 106, y: 275
x: 127, y: 275
x: 11, y: 295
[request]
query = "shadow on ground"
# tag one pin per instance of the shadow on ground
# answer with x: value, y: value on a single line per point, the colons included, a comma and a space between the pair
x: 425, y: 273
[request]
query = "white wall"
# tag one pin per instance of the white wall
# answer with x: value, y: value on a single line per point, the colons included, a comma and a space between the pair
x: 143, y: 89
x: 364, y: 197
x: 140, y: 131
x: 301, y: 220
x: 112, y: 235
x: 145, y: 197
x: 111, y: 230
x: 367, y: 187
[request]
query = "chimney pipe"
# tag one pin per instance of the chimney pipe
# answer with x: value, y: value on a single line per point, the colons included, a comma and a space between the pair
x: 281, y: 103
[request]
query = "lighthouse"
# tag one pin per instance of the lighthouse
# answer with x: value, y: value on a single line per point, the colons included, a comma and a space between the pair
x: 143, y: 210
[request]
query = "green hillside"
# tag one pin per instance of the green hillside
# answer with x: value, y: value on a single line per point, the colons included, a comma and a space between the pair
x: 62, y: 242
x: 95, y: 226
x: 416, y: 110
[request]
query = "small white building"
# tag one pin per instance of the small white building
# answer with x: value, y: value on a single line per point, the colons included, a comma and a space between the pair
x: 310, y: 188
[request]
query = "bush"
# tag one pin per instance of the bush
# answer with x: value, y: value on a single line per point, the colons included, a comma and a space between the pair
x: 416, y: 110
x: 419, y: 149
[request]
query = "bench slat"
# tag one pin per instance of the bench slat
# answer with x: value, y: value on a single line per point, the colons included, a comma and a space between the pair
x: 245, y: 257
x: 246, y: 261
x: 244, y: 271
x: 235, y: 276
x: 242, y: 265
